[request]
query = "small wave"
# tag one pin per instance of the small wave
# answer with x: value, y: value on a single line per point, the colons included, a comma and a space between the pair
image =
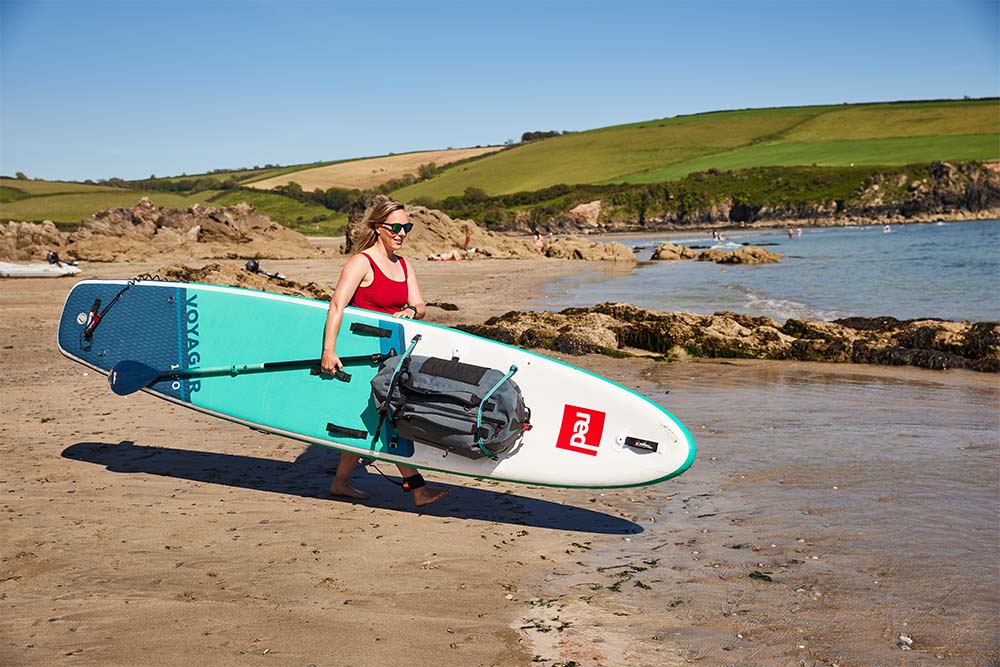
x: 785, y: 309
x: 700, y: 239
x: 728, y: 245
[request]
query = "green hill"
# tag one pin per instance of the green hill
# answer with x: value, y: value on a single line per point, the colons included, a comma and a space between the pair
x: 889, y: 134
x: 69, y: 203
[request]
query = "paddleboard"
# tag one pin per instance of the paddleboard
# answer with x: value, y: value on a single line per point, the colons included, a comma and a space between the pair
x: 586, y: 430
x: 37, y: 270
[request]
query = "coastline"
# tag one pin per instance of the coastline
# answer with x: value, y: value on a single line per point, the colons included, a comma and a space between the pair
x: 680, y: 231
x: 137, y: 526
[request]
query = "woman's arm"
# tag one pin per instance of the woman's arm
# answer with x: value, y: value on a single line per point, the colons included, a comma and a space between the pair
x: 350, y: 277
x: 413, y: 296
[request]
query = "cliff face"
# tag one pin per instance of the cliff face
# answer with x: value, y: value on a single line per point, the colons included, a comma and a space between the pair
x: 943, y: 190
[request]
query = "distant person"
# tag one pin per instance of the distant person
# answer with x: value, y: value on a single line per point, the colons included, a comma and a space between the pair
x: 791, y: 232
x: 539, y: 242
x: 886, y: 229
x: 376, y: 279
x: 798, y: 233
x: 468, y: 240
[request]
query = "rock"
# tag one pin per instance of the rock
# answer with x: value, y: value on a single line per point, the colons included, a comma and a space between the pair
x: 586, y: 215
x: 609, y: 327
x: 671, y: 251
x: 27, y: 240
x: 747, y: 255
x: 234, y: 275
x: 146, y: 230
x: 574, y: 247
x: 435, y: 233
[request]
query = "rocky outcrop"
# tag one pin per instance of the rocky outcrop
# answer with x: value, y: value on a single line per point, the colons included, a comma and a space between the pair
x: 611, y: 328
x: 574, y: 247
x: 29, y: 241
x: 147, y: 230
x: 748, y: 255
x: 435, y: 234
x: 234, y: 275
x: 126, y: 234
x: 586, y: 215
x: 671, y: 251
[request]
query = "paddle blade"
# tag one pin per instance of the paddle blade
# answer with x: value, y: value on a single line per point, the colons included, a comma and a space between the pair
x: 128, y: 377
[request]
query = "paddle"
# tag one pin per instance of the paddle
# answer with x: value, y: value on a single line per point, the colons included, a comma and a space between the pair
x: 128, y: 376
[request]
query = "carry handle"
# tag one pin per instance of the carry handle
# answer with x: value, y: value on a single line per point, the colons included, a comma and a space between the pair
x: 479, y: 413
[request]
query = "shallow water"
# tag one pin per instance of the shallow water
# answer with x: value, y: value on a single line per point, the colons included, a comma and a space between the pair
x: 943, y: 270
x: 870, y: 496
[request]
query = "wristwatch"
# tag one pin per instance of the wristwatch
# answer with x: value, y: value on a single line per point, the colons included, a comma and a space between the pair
x: 413, y: 308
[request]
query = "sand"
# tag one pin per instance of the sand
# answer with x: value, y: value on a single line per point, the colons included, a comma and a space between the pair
x: 138, y: 532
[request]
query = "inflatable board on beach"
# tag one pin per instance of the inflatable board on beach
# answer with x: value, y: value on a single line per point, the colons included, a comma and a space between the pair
x: 243, y: 355
x: 37, y: 270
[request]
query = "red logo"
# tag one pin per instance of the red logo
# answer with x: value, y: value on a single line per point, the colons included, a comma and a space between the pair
x: 581, y: 430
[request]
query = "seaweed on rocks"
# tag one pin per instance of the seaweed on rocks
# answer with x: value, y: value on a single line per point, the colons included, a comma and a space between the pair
x: 616, y: 328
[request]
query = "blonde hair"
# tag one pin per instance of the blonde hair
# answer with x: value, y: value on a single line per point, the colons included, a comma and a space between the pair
x: 367, y: 235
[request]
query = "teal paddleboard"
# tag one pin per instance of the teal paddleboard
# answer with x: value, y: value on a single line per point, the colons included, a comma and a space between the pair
x: 586, y: 431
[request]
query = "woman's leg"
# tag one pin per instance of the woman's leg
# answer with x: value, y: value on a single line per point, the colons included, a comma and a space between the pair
x: 341, y: 485
x: 422, y: 495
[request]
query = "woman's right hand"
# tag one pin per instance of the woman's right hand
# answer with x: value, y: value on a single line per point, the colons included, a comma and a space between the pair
x: 330, y: 363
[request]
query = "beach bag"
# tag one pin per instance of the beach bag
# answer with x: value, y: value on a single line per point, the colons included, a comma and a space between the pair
x: 467, y: 410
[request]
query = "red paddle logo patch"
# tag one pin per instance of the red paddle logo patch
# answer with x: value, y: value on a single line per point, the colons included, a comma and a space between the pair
x: 581, y: 430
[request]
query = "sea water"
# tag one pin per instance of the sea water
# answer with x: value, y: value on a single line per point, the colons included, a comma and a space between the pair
x: 931, y: 270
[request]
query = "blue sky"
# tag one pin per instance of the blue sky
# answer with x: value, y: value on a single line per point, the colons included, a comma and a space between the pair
x: 129, y: 89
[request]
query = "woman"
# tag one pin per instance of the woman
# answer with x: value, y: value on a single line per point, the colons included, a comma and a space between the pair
x: 376, y: 279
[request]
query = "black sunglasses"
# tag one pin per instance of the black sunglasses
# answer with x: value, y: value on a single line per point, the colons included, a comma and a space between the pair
x: 396, y: 227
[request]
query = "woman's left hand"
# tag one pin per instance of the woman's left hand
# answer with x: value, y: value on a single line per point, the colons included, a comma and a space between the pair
x: 408, y: 312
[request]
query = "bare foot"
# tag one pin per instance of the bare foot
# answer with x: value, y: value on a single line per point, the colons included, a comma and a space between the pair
x: 347, y: 491
x: 426, y: 495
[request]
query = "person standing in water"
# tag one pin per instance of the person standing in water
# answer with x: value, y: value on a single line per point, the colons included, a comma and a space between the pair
x: 376, y: 279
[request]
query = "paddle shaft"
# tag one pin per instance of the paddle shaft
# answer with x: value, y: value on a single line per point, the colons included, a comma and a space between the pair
x: 258, y: 368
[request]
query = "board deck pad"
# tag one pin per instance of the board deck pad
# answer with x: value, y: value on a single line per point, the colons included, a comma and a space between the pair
x: 586, y: 431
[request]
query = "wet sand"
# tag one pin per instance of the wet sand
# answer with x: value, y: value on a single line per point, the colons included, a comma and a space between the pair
x: 835, y: 515
x: 831, y: 511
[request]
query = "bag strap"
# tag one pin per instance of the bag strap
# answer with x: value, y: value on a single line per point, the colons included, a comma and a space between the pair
x: 479, y: 413
x: 384, y: 409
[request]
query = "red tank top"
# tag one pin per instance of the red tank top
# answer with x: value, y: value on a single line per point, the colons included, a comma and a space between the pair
x: 384, y: 295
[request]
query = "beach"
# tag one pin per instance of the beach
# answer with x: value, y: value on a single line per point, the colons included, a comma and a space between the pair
x: 836, y: 514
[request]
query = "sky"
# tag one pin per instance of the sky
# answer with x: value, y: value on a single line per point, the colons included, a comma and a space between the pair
x: 130, y: 89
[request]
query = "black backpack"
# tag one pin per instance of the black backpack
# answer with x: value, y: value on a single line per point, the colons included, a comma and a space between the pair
x: 469, y: 410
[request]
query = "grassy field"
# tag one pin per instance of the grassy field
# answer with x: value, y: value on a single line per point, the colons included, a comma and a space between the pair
x: 371, y: 172
x: 841, y: 135
x: 34, y: 201
x: 251, y: 175
x: 887, y: 134
x: 889, y: 152
x: 68, y: 203
x: 34, y: 188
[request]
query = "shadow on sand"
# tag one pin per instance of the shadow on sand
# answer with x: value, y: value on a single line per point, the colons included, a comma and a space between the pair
x: 310, y: 474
